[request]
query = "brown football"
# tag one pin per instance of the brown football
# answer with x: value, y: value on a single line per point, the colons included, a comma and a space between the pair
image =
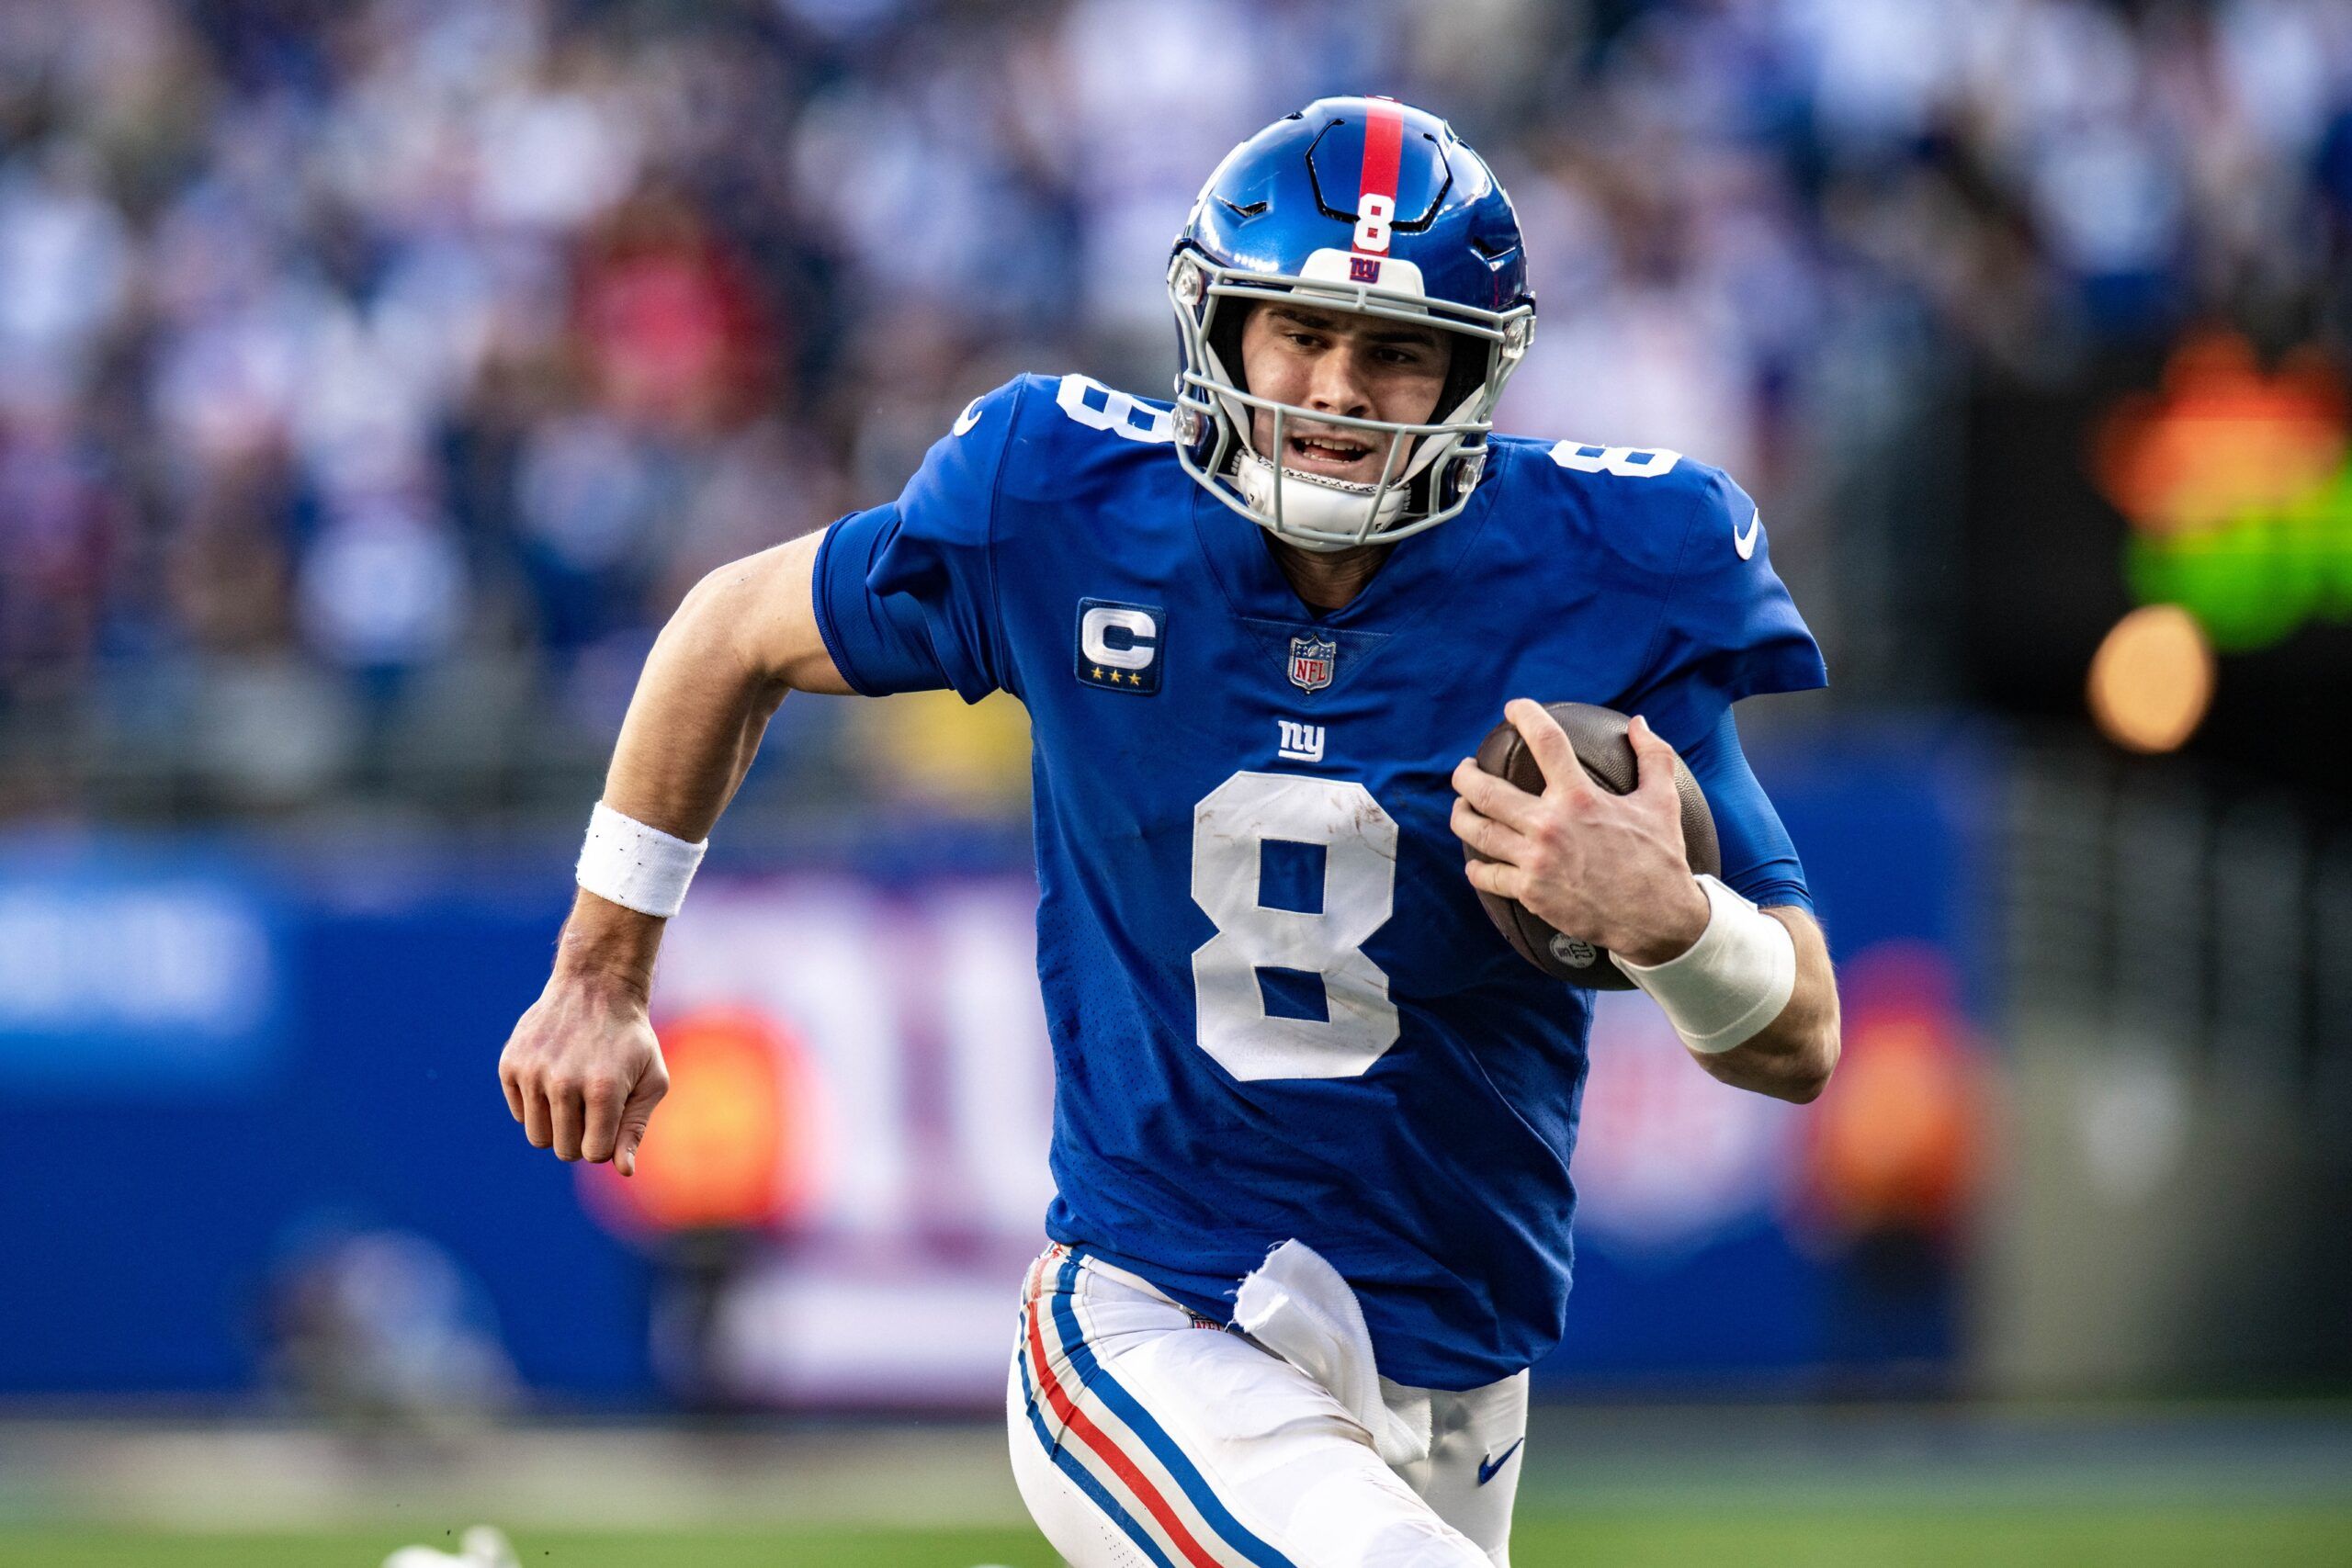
x: 1599, y: 735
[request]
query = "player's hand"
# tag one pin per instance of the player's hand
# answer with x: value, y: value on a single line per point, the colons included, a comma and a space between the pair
x: 582, y: 1072
x: 1608, y: 868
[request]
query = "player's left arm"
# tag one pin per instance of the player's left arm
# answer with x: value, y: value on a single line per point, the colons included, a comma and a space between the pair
x: 1613, y: 869
x: 1792, y: 1056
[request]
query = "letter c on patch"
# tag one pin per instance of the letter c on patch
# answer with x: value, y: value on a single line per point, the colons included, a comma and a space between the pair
x: 1135, y: 650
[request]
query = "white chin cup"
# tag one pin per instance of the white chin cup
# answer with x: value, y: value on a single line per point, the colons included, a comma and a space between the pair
x: 1312, y: 505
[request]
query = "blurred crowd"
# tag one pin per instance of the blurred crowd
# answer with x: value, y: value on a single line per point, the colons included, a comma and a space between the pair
x: 375, y: 376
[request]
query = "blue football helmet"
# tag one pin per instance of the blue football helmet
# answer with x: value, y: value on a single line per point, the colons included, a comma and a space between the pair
x: 1365, y: 204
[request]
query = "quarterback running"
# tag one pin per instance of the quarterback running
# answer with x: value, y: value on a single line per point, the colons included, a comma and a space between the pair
x: 1312, y: 1115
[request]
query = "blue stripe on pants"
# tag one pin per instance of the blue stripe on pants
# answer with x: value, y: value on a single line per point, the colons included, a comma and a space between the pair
x: 1124, y: 1404
x: 1068, y: 1463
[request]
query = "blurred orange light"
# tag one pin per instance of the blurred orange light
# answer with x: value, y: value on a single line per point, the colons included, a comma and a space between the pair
x: 733, y: 1143
x: 2222, y: 439
x: 2152, y: 679
x: 1897, y: 1142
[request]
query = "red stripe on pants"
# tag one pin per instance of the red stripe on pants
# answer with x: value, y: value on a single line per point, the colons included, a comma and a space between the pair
x: 1075, y: 1420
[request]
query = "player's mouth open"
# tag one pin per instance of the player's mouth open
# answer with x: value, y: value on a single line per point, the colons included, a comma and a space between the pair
x: 1329, y: 453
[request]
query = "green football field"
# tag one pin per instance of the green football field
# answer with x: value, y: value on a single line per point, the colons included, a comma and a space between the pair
x: 1866, y: 1538
x: 2265, y: 1485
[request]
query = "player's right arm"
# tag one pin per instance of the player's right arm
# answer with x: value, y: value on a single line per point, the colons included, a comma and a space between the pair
x: 896, y: 598
x: 582, y: 1071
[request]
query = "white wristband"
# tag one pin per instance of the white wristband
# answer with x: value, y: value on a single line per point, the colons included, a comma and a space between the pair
x: 636, y: 866
x: 1734, y: 981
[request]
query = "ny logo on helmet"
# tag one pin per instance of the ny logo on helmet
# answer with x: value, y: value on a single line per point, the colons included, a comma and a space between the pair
x: 1311, y: 661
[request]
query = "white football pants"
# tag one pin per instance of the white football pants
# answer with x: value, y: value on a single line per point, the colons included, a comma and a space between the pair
x: 1143, y: 1437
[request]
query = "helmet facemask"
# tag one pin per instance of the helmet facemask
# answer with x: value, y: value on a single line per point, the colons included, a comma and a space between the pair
x: 1429, y: 468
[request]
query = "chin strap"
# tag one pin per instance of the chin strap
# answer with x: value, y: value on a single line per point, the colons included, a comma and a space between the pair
x: 1330, y: 506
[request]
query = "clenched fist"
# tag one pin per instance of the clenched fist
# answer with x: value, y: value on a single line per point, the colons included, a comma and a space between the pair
x: 1608, y: 868
x: 582, y: 1072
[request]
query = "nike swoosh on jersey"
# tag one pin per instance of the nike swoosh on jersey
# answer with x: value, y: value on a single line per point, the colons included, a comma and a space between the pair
x: 1488, y: 1467
x: 1746, y: 543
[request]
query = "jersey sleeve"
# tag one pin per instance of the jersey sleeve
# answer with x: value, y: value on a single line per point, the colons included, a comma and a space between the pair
x: 1760, y: 862
x: 906, y: 593
x: 1728, y: 628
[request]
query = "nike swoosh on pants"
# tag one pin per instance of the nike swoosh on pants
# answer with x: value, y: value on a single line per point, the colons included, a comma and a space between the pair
x: 1487, y: 1468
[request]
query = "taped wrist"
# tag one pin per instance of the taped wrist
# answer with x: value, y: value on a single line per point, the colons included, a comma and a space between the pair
x: 1734, y: 981
x: 636, y: 866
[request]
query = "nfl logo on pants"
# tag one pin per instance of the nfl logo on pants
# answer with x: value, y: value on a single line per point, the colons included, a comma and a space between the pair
x: 1311, y: 658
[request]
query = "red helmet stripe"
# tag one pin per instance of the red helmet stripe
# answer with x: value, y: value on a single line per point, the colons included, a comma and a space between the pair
x: 1383, y: 148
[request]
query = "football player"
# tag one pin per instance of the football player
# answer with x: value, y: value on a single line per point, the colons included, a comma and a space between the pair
x: 1313, y: 1117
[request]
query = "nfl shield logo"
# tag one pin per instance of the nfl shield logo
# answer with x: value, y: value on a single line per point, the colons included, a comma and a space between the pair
x: 1311, y: 658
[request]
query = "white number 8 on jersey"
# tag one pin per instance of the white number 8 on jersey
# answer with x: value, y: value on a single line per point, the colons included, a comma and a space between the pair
x: 1230, y: 827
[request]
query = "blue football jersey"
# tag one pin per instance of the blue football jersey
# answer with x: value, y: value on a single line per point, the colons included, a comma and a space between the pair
x: 1276, y: 1005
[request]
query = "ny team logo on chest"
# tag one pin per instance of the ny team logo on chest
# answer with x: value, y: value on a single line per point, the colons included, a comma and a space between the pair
x: 1312, y: 661
x: 1118, y: 645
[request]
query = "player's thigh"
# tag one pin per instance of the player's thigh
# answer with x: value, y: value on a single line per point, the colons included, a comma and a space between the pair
x: 1075, y: 1519
x: 1477, y: 1449
x: 1286, y: 1454
x: 1200, y: 1448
